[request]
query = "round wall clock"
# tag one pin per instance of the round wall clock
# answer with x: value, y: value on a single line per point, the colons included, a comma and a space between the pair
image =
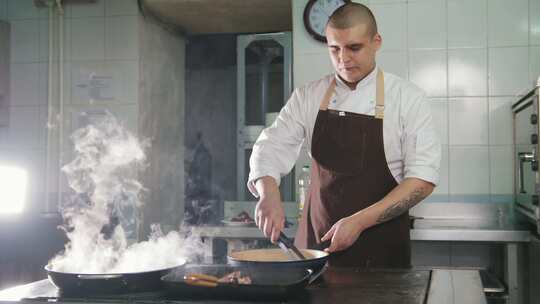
x: 316, y: 16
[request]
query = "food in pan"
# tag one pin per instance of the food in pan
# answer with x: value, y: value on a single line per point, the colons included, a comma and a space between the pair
x: 206, y: 280
x: 235, y: 277
x: 273, y: 255
x: 243, y: 217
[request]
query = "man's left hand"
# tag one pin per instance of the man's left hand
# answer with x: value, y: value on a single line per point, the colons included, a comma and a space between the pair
x: 343, y: 233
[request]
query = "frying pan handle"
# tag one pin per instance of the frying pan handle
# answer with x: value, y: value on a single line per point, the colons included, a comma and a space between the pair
x: 317, y: 274
x: 98, y: 276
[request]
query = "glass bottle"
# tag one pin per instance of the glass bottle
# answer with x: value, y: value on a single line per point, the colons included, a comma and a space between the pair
x: 304, y: 180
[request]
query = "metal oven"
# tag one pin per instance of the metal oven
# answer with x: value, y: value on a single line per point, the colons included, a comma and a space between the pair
x: 526, y: 129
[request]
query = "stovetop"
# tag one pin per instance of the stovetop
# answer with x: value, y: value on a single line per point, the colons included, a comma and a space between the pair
x: 338, y: 286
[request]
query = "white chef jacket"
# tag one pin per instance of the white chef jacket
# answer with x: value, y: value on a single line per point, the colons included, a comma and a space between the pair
x: 411, y: 146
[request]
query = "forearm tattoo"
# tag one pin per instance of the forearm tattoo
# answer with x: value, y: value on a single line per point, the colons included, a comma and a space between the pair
x: 403, y: 205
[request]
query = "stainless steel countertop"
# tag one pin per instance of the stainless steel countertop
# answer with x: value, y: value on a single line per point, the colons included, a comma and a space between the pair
x: 470, y: 230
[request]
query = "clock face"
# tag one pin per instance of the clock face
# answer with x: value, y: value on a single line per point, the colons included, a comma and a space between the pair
x: 316, y: 16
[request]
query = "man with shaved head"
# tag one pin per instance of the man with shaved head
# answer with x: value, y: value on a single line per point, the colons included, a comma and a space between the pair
x: 373, y: 148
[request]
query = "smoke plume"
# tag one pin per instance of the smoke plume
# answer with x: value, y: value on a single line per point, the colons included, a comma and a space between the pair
x: 103, y: 179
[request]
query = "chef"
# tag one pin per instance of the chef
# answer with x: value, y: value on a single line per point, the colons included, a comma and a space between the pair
x: 373, y: 148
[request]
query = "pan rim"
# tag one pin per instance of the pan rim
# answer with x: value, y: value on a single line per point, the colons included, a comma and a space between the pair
x: 236, y: 259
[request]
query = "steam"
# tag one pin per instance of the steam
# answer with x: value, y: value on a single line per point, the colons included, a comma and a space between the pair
x: 103, y: 177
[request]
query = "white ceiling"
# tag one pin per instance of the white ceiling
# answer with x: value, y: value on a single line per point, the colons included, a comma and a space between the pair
x: 224, y: 16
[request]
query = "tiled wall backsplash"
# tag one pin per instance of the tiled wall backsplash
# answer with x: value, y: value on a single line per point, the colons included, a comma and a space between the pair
x: 473, y: 58
x: 100, y: 38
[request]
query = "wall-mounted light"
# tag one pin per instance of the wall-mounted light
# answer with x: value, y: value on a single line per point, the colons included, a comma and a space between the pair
x: 13, y: 183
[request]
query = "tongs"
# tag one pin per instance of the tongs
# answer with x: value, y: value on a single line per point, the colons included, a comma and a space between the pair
x: 288, y: 246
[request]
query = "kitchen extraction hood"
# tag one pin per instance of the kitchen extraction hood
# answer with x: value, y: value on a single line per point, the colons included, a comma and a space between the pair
x: 195, y: 17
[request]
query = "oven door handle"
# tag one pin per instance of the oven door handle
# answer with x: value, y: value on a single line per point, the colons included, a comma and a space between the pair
x: 526, y: 157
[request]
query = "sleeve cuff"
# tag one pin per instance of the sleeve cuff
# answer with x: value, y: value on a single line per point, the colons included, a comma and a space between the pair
x: 253, y: 177
x: 427, y: 174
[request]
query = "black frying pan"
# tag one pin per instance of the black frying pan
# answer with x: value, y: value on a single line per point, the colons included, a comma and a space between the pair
x: 266, y: 284
x: 109, y: 283
x: 276, y: 259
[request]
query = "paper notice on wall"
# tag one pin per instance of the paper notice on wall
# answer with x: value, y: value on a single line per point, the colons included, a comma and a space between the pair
x: 87, y: 117
x: 101, y: 87
x: 94, y: 86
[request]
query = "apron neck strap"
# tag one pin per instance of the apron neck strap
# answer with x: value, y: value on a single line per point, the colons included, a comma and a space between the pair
x: 327, y: 95
x: 379, y: 97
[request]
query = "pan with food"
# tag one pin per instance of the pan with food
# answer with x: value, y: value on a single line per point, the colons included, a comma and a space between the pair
x: 268, y: 259
x: 230, y: 282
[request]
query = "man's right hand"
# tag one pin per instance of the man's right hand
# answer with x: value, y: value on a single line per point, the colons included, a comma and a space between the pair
x: 269, y: 214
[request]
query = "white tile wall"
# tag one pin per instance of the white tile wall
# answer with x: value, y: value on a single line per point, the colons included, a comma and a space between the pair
x: 3, y: 10
x: 469, y: 170
x: 322, y: 67
x: 67, y: 39
x: 87, y: 9
x: 467, y: 23
x: 467, y: 72
x: 443, y: 188
x: 43, y: 42
x: 42, y: 125
x: 500, y: 120
x: 508, y: 71
x: 508, y: 23
x: 534, y: 55
x: 394, y: 62
x: 88, y: 39
x: 24, y: 38
x: 44, y: 82
x: 128, y: 116
x: 24, y: 128
x: 121, y: 7
x: 392, y: 25
x: 127, y: 72
x: 433, y: 26
x: 121, y: 35
x: 427, y: 69
x: 85, y: 42
x: 472, y: 57
x: 468, y: 121
x: 426, y: 24
x: 24, y: 9
x: 439, y: 111
x: 502, y: 171
x: 24, y: 86
x: 534, y: 20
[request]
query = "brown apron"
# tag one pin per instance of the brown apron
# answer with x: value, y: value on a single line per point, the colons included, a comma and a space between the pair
x: 349, y: 173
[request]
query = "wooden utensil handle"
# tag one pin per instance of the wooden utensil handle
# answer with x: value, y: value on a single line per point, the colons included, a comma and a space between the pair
x: 199, y: 279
